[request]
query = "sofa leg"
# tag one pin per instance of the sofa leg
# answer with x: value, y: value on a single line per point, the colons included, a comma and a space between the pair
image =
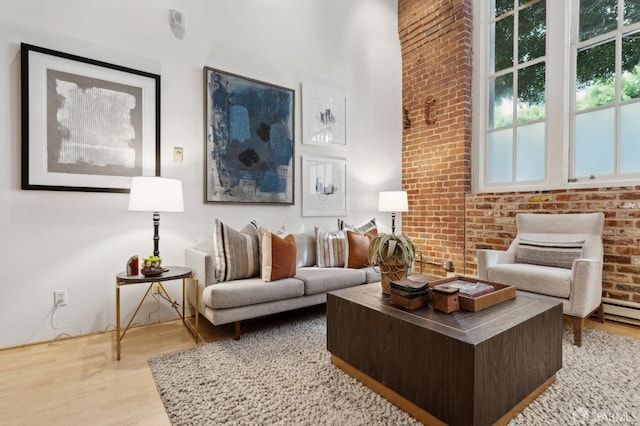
x: 236, y: 330
x: 601, y: 313
x: 578, y: 324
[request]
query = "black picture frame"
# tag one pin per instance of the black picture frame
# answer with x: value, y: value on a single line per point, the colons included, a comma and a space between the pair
x: 87, y: 125
x: 249, y: 140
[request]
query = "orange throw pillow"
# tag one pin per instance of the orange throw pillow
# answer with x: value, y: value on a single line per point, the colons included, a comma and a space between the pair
x: 358, y: 248
x: 278, y: 256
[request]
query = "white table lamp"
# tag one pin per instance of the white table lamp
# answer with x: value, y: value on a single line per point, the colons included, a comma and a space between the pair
x: 155, y: 194
x: 393, y: 201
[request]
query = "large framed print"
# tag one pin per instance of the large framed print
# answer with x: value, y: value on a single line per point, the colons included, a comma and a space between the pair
x: 324, y: 191
x: 249, y: 140
x: 86, y: 125
x: 324, y: 117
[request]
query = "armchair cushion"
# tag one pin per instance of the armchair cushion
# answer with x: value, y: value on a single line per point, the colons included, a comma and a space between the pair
x: 558, y: 253
x: 546, y: 280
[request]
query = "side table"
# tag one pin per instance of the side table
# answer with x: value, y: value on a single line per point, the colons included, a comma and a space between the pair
x: 172, y: 273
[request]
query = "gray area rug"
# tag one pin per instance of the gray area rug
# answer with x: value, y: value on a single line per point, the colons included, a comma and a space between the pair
x: 283, y: 375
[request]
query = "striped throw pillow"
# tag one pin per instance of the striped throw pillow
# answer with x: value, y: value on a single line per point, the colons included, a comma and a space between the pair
x: 236, y: 253
x: 330, y: 248
x: 559, y: 254
x: 368, y: 228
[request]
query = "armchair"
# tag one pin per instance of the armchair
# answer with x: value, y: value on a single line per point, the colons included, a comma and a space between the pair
x: 555, y: 256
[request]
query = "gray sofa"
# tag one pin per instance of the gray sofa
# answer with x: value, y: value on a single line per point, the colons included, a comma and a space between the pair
x: 240, y: 299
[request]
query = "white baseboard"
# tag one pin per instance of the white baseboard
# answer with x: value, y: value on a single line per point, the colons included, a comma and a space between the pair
x: 622, y: 311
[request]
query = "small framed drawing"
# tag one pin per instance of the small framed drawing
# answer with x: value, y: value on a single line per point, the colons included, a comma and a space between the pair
x: 86, y: 125
x: 249, y: 140
x: 324, y: 117
x: 324, y: 191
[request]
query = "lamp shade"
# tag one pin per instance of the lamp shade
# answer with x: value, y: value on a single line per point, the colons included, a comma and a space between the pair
x: 155, y: 194
x: 393, y: 201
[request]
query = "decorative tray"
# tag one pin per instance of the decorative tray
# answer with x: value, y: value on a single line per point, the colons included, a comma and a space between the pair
x: 501, y: 293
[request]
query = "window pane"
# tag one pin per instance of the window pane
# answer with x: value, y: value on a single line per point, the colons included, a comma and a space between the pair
x: 500, y: 156
x: 630, y: 66
x: 597, y: 17
x: 629, y: 141
x: 595, y: 76
x: 530, y: 152
x: 631, y: 11
x: 503, y: 44
x: 501, y: 101
x: 594, y: 143
x: 502, y: 6
x: 531, y: 89
x: 532, y: 30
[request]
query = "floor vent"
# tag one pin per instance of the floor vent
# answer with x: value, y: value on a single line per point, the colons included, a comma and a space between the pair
x: 622, y: 311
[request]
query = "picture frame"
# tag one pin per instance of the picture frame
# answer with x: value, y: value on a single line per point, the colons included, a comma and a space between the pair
x: 249, y: 140
x: 87, y: 125
x: 324, y: 191
x: 324, y: 117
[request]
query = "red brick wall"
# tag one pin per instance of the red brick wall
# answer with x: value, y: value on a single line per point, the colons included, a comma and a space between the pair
x: 435, y: 38
x: 445, y: 220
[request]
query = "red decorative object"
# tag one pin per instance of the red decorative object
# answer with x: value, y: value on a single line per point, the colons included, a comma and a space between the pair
x: 132, y: 266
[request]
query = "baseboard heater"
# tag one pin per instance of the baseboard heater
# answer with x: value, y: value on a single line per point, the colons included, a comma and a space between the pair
x: 621, y: 310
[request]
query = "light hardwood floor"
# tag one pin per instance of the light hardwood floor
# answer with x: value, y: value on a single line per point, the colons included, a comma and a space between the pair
x: 79, y: 382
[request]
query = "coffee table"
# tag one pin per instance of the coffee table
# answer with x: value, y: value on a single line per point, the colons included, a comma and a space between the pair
x: 462, y: 368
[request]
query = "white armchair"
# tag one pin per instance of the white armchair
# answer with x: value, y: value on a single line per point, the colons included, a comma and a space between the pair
x: 557, y: 256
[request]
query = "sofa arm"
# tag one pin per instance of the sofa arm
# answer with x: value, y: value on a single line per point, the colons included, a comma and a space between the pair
x: 586, y: 291
x: 487, y: 258
x: 201, y: 264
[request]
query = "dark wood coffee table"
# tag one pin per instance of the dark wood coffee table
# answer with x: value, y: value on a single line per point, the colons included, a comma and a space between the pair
x: 462, y: 368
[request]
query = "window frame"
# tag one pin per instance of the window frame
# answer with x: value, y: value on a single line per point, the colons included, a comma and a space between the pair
x: 560, y: 114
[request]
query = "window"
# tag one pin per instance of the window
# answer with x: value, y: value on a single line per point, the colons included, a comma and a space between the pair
x: 607, y: 90
x: 556, y: 93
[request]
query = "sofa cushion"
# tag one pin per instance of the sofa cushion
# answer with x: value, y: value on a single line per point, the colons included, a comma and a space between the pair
x: 305, y: 248
x: 236, y: 253
x: 533, y: 278
x: 558, y: 253
x: 319, y: 280
x: 330, y: 247
x: 277, y: 256
x: 358, y: 249
x: 372, y: 274
x: 250, y: 291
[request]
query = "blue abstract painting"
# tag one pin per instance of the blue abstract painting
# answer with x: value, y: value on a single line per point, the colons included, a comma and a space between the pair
x: 249, y: 129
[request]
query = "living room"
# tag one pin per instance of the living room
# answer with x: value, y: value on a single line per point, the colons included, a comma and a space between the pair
x: 392, y: 60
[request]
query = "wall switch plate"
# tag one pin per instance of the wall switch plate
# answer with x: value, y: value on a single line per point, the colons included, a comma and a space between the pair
x: 155, y: 288
x: 177, y: 154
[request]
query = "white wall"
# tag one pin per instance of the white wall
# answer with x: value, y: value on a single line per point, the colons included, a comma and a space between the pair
x: 79, y: 241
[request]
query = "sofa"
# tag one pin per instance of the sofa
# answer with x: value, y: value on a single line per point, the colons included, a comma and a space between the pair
x: 554, y: 256
x: 252, y: 272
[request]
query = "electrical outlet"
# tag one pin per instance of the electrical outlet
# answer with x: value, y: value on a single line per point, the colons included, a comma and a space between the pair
x: 60, y: 297
x: 447, y: 265
x: 155, y: 288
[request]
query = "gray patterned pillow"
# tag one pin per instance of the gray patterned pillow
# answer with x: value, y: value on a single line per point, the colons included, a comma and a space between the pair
x: 236, y: 253
x: 559, y: 254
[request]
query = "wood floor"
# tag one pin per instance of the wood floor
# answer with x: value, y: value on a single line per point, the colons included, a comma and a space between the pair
x: 78, y: 381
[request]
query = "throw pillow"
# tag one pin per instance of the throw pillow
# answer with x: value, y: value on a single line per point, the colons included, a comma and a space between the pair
x: 236, y: 253
x: 330, y: 248
x: 278, y: 255
x: 559, y: 254
x: 367, y: 227
x: 358, y: 249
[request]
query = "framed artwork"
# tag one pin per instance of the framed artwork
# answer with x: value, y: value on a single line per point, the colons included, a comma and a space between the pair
x: 249, y: 140
x: 324, y: 119
x: 86, y: 125
x: 324, y: 191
